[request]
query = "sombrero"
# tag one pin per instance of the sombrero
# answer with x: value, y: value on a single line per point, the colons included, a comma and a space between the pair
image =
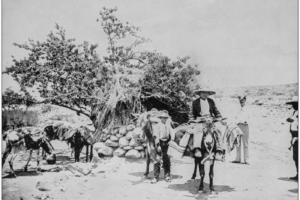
x: 163, y: 114
x: 204, y: 89
x: 294, y: 100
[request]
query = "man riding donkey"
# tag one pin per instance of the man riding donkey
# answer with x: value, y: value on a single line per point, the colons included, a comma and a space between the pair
x: 204, y: 107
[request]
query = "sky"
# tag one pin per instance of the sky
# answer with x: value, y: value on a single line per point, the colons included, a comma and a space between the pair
x: 235, y: 42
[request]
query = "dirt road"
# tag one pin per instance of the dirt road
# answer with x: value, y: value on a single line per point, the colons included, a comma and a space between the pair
x: 265, y: 178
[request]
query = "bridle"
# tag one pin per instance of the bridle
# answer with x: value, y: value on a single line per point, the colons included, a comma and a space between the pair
x: 207, y: 131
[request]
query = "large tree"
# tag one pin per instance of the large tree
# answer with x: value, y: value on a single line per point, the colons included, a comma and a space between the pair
x: 107, y: 89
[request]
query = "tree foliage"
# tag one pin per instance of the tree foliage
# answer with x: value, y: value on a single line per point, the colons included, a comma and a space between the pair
x: 12, y: 100
x: 107, y: 88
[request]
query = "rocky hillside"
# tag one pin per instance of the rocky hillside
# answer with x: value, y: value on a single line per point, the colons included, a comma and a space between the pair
x: 267, y: 95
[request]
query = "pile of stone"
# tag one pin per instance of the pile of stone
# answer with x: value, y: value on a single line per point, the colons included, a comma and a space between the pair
x: 122, y: 142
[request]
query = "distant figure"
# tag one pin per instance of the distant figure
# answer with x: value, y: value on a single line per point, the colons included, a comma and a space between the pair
x: 294, y: 131
x: 242, y: 120
x: 204, y: 107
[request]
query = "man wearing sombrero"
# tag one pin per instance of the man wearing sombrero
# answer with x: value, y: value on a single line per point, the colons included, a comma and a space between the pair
x: 293, y: 120
x: 202, y: 107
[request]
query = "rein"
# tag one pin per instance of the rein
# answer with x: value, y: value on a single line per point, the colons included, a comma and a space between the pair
x: 209, y: 152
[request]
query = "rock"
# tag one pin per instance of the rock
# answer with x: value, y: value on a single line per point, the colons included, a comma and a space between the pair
x: 138, y: 132
x: 134, y: 154
x: 114, y: 138
x: 105, y: 131
x: 50, y: 168
x: 44, y: 186
x: 129, y: 135
x: 123, y: 142
x: 104, y: 138
x: 98, y: 145
x: 83, y: 168
x: 99, y: 169
x: 139, y: 148
x: 122, y: 131
x: 96, y: 158
x: 105, y: 151
x: 142, y: 154
x: 127, y: 148
x: 133, y: 143
x: 61, y: 178
x: 110, y: 143
x: 115, y: 131
x: 119, y: 152
x: 130, y: 127
x: 144, y: 144
x: 258, y: 102
x: 118, y: 135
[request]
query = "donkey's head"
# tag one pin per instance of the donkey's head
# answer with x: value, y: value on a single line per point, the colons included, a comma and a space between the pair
x: 49, y: 131
x: 208, y: 130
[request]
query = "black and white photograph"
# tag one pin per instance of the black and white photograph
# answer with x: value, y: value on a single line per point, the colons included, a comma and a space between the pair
x: 149, y: 100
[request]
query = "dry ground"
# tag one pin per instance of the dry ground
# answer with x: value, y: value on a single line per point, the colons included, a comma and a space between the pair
x: 265, y: 178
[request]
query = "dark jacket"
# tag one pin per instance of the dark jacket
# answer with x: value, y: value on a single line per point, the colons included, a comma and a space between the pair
x: 196, y: 109
x: 294, y: 132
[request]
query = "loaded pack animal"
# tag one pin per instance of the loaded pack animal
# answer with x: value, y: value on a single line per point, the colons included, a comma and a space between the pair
x: 208, y: 147
x: 26, y: 139
x: 77, y: 138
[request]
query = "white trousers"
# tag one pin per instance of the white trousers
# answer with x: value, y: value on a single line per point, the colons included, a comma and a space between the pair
x: 245, y: 143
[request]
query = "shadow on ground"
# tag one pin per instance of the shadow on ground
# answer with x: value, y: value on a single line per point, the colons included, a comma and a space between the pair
x: 294, y: 190
x: 287, y: 179
x: 150, y: 177
x: 192, y: 187
x: 20, y: 173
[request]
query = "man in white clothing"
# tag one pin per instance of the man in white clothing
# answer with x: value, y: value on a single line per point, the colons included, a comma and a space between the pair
x: 162, y: 136
x: 242, y: 120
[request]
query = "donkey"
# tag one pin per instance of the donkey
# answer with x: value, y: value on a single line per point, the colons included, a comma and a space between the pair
x: 21, y: 140
x: 77, y: 138
x: 208, y: 146
x: 208, y: 151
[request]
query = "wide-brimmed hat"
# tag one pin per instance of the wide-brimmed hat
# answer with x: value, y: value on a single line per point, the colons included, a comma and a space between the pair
x: 164, y: 114
x: 204, y: 89
x: 294, y: 100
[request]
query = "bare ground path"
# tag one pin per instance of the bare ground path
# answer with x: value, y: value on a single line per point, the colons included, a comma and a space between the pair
x: 265, y: 178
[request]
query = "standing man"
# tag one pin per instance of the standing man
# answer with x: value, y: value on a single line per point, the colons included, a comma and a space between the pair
x: 242, y: 120
x: 205, y: 107
x: 294, y: 131
x: 162, y: 137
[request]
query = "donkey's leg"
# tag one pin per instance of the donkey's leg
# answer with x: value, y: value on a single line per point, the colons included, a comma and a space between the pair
x: 28, y: 160
x: 44, y: 154
x: 195, y: 169
x: 38, y: 160
x: 147, y: 164
x: 91, y: 153
x: 202, y: 174
x: 6, y: 153
x: 11, y: 163
x: 211, y: 176
x: 87, y: 153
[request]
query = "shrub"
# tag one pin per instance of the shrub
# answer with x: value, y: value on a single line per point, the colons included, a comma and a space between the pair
x: 46, y: 108
x: 19, y: 118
